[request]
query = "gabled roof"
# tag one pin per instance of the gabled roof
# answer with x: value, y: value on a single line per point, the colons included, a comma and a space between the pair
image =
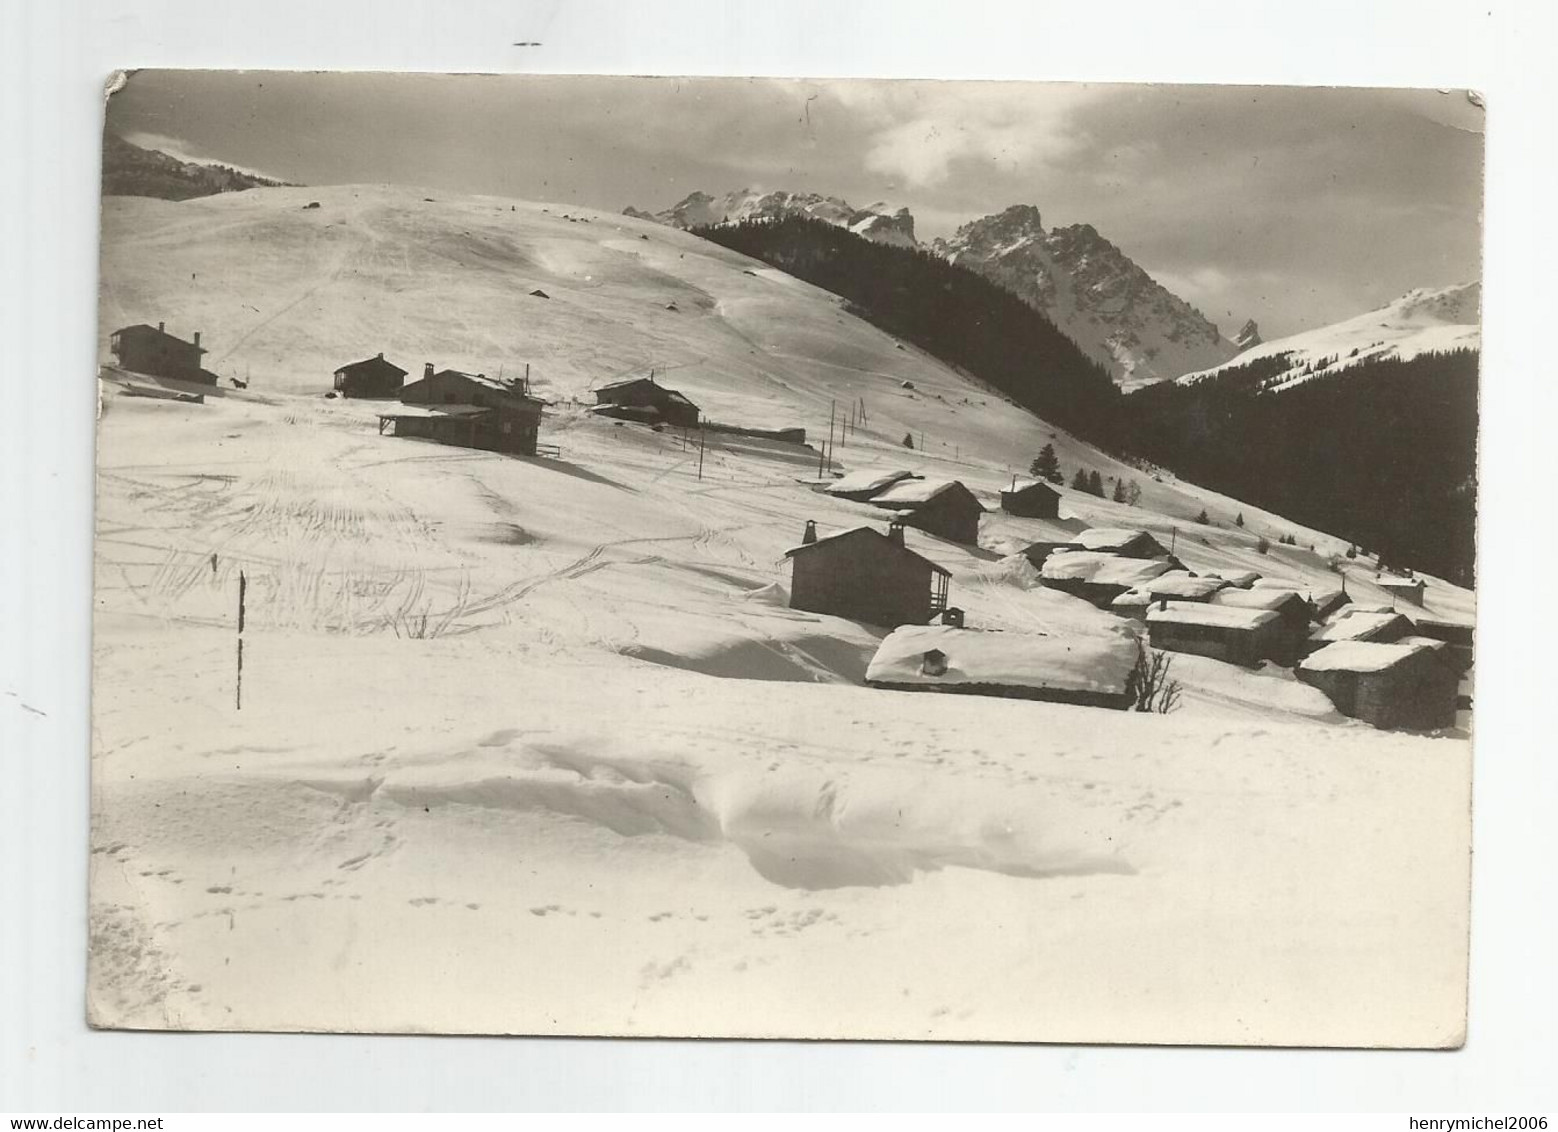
x: 1212, y: 616
x: 866, y: 481
x: 369, y: 364
x: 1173, y: 584
x: 627, y: 383
x: 1359, y: 625
x: 1108, y: 539
x: 1101, y: 569
x: 1268, y: 597
x: 1365, y: 656
x: 834, y: 540
x: 507, y: 388
x: 909, y: 494
x: 147, y: 329
x: 1028, y: 485
x: 435, y: 411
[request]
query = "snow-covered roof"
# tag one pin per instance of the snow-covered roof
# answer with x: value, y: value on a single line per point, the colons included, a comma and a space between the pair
x: 1365, y: 656
x: 1073, y: 664
x: 1109, y: 538
x: 426, y: 411
x: 375, y: 363
x: 1215, y: 616
x: 857, y: 532
x: 1181, y: 583
x: 1401, y: 583
x: 915, y: 493
x: 1267, y: 598
x: 1355, y: 625
x: 1024, y: 485
x: 1103, y: 569
x: 870, y: 480
x: 1240, y: 578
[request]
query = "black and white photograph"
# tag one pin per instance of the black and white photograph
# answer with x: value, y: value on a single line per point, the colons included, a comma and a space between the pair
x: 785, y: 558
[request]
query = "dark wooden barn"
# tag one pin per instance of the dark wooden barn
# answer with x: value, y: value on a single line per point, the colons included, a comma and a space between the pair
x: 1407, y: 684
x: 371, y: 377
x: 864, y: 575
x: 1237, y: 636
x: 1036, y: 500
x: 938, y: 507
x: 647, y: 399
x: 152, y: 350
x: 510, y: 422
x: 1290, y: 606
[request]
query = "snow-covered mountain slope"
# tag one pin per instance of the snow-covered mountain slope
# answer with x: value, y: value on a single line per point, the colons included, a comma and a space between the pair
x: 558, y: 708
x: 877, y: 222
x: 1421, y: 321
x: 1094, y: 292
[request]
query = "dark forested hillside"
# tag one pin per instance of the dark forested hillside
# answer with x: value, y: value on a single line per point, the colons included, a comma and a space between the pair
x: 1383, y: 452
x: 962, y: 318
x: 131, y: 171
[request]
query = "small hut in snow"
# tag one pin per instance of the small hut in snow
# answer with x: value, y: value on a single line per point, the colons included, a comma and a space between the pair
x: 1238, y: 636
x: 1032, y: 500
x: 643, y: 398
x: 938, y: 507
x: 1098, y: 578
x: 940, y: 658
x: 1409, y: 683
x: 863, y: 575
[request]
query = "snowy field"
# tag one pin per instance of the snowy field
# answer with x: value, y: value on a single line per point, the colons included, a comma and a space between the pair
x: 536, y: 746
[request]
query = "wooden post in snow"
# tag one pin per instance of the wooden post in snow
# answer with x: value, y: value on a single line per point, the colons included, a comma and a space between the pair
x: 243, y: 586
x: 703, y: 441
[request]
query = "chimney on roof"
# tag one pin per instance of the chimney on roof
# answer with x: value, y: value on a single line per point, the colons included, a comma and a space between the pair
x: 160, y: 325
x: 381, y: 355
x: 427, y: 370
x: 810, y: 535
x: 481, y: 377
x: 197, y: 339
x: 895, y: 532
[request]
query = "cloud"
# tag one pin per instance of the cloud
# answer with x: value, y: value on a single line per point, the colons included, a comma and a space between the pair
x: 919, y: 133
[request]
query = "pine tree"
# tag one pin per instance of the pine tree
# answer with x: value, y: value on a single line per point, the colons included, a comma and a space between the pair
x: 1045, y: 465
x: 1203, y: 517
x: 1238, y: 520
x: 1079, y: 481
x: 1119, y: 491
x: 908, y: 440
x: 1095, y: 484
x: 1133, y: 494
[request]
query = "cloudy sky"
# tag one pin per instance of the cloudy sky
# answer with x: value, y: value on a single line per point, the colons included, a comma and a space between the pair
x: 1296, y: 207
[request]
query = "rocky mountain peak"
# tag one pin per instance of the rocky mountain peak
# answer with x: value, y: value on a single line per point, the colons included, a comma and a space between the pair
x: 1248, y: 337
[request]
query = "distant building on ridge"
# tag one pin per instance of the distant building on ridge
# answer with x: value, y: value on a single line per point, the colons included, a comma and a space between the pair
x: 371, y: 377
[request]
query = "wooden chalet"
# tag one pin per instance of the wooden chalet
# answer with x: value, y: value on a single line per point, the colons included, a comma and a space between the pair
x: 371, y: 377
x: 645, y: 399
x: 1227, y: 633
x: 939, y: 507
x: 1292, y: 608
x: 864, y: 575
x: 1033, y: 500
x: 471, y: 410
x: 1349, y: 624
x: 153, y: 351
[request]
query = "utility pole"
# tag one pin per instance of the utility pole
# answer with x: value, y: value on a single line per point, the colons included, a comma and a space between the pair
x: 243, y: 585
x: 703, y: 440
